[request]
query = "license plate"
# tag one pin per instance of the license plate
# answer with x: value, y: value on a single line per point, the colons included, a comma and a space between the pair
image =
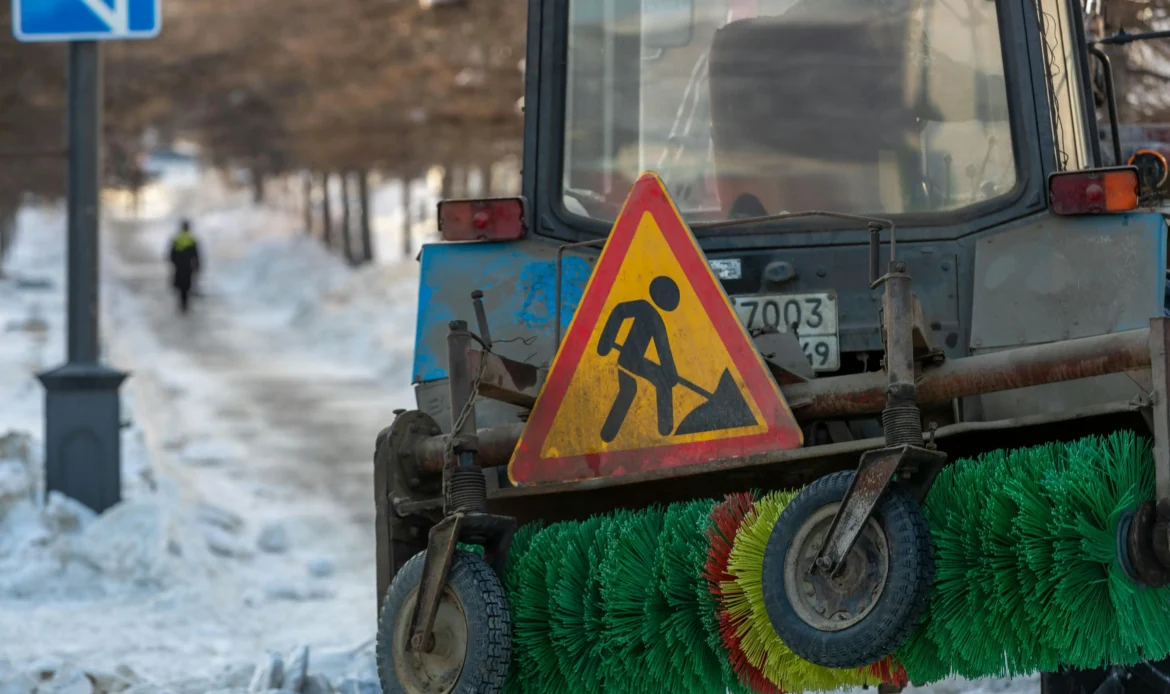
x: 814, y: 316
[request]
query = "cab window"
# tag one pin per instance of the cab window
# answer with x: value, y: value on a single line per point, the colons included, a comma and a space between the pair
x: 756, y: 107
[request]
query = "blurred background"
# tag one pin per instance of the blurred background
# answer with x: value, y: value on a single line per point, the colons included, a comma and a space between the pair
x: 300, y: 98
x: 306, y: 143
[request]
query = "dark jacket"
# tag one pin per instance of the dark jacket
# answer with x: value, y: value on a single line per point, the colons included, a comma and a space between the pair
x: 184, y: 259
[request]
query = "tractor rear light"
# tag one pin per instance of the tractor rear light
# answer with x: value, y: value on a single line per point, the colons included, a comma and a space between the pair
x: 492, y: 219
x: 1094, y: 191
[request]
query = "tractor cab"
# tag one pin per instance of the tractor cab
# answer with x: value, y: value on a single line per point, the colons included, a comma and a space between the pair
x: 745, y: 168
x: 788, y: 131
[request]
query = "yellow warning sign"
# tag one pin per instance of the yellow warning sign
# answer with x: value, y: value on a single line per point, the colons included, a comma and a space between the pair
x: 655, y: 370
x: 651, y: 365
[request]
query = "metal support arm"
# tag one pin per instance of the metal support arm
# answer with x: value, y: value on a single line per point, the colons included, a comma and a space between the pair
x: 874, y: 474
x: 901, y: 424
x: 464, y: 487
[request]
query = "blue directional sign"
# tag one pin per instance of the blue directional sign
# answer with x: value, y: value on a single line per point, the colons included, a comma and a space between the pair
x: 85, y: 20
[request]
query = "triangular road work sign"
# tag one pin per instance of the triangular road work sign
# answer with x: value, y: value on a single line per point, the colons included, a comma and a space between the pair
x: 655, y: 371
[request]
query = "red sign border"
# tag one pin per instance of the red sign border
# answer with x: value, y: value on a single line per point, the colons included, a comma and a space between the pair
x: 528, y: 468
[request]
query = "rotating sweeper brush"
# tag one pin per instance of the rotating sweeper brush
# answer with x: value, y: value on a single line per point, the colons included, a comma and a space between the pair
x: 676, y: 598
x: 652, y: 542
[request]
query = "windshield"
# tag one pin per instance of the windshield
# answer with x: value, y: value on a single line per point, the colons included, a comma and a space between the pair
x: 756, y: 107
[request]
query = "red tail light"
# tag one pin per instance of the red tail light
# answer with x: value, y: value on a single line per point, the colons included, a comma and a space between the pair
x: 1094, y: 191
x: 492, y: 219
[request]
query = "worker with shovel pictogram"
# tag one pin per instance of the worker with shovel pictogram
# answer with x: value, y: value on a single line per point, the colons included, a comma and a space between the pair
x: 725, y: 408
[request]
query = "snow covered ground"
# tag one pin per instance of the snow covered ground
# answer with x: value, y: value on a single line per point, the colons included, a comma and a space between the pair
x: 247, y: 525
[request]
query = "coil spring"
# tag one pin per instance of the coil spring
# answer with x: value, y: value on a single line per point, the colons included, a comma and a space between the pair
x: 467, y: 490
x: 902, y: 424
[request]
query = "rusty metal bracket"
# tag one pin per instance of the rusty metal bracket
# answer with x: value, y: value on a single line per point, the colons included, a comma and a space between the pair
x: 874, y: 474
x: 1157, y: 537
x: 493, y: 532
x: 464, y: 493
x: 1160, y: 397
x: 783, y: 355
x: 436, y: 566
x: 506, y: 380
x: 401, y: 493
x: 923, y: 335
x: 481, y: 320
x: 902, y: 323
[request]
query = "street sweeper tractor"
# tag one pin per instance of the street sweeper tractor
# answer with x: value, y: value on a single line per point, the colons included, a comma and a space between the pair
x: 821, y: 350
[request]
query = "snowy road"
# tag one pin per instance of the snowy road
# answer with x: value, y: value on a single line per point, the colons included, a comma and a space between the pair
x: 280, y: 417
x: 259, y: 420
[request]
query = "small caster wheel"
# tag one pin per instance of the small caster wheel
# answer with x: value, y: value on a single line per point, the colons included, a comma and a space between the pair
x: 472, y: 634
x: 879, y: 595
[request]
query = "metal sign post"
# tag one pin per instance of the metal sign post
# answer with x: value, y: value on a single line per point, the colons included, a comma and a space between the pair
x: 82, y: 407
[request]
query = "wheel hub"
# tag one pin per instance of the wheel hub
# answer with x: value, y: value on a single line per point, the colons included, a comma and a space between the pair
x: 435, y: 670
x: 1137, y: 549
x: 835, y: 602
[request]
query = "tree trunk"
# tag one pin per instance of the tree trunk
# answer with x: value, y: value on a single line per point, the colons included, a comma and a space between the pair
x: 257, y: 186
x: 326, y: 212
x: 6, y: 228
x: 459, y: 182
x: 480, y: 173
x: 346, y: 219
x: 448, y: 192
x: 308, y: 202
x: 407, y: 219
x: 491, y: 183
x: 364, y: 202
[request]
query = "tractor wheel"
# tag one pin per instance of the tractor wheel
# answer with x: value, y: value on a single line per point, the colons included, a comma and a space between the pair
x: 472, y: 632
x: 877, y: 599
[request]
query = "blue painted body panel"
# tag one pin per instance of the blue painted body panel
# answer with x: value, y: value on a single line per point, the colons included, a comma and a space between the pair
x: 1114, y: 267
x: 519, y: 285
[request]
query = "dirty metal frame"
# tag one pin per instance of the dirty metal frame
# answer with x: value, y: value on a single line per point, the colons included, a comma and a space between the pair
x: 1145, y: 538
x: 904, y: 454
x: 417, y: 456
x: 412, y: 451
x: 466, y: 516
x: 836, y: 396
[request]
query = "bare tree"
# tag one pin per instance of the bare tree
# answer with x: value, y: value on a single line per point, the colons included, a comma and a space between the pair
x: 274, y: 86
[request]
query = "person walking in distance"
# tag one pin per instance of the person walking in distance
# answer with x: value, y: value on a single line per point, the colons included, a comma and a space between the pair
x: 184, y: 263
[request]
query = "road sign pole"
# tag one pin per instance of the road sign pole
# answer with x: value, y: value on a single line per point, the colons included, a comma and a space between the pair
x: 82, y: 409
x: 85, y: 114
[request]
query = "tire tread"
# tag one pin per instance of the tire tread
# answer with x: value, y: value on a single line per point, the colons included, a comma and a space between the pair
x: 903, y: 603
x: 489, y: 623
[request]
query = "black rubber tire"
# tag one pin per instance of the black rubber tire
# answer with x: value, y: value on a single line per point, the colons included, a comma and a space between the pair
x: 903, y: 602
x: 489, y: 624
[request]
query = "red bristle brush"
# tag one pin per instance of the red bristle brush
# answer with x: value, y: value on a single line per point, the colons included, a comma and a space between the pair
x: 726, y: 518
x: 890, y: 672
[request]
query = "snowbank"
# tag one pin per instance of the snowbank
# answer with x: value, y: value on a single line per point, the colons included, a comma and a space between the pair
x: 58, y: 549
x: 364, y: 315
x: 62, y: 550
x: 165, y: 592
